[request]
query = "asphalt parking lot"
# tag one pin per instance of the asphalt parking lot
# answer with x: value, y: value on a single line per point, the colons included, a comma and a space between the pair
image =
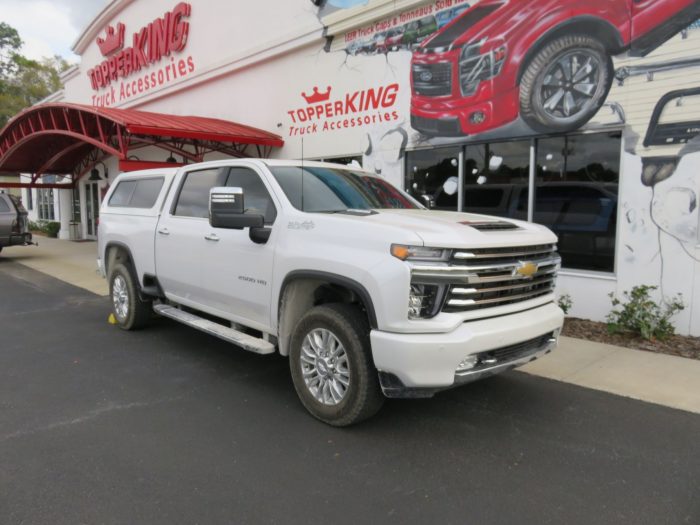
x: 168, y: 425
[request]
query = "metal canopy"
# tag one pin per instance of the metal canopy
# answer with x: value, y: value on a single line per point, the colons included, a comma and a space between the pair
x: 69, y: 139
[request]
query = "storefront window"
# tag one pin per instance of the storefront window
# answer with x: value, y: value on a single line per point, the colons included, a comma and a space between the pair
x: 496, y: 179
x: 576, y: 197
x: 426, y: 175
x: 45, y: 204
x: 346, y: 161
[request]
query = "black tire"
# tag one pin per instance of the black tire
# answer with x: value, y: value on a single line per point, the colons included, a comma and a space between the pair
x: 534, y: 93
x: 137, y: 313
x: 363, y: 396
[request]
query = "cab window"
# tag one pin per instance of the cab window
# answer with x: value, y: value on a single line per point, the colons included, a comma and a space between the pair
x: 257, y: 199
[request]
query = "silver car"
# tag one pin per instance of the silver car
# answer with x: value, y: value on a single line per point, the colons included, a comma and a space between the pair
x: 14, y: 225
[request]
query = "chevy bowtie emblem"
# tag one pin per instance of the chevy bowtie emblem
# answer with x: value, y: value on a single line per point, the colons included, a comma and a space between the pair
x: 525, y: 270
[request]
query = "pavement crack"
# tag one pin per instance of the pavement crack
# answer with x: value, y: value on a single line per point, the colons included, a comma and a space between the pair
x: 93, y: 414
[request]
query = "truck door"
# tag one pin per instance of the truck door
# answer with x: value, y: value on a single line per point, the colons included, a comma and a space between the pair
x: 180, y: 235
x: 236, y: 272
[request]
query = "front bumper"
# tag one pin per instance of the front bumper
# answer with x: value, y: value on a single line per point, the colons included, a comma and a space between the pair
x: 421, y: 364
x: 454, y: 116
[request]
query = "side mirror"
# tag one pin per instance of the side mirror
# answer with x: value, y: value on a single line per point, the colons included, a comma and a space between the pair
x: 227, y: 210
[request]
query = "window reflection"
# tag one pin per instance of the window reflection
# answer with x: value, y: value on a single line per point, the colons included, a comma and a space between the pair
x: 496, y: 179
x: 427, y: 173
x: 576, y: 197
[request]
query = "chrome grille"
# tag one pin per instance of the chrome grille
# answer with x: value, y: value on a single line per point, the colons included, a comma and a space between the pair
x: 495, y: 280
x: 432, y: 80
x: 490, y: 277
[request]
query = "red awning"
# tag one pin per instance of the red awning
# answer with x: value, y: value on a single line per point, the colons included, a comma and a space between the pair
x: 68, y: 139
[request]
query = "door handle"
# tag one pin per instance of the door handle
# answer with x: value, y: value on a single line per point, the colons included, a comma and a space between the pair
x: 212, y: 237
x: 164, y: 231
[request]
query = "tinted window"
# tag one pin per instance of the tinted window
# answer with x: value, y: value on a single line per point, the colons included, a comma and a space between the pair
x: 256, y: 198
x: 4, y: 207
x: 576, y: 196
x: 146, y: 193
x: 193, y: 200
x: 141, y: 193
x: 314, y: 189
x: 122, y: 194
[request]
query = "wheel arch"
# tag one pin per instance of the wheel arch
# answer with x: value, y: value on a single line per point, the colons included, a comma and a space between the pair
x: 586, y: 25
x: 304, y: 289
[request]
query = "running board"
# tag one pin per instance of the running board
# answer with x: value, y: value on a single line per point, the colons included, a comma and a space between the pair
x: 245, y: 341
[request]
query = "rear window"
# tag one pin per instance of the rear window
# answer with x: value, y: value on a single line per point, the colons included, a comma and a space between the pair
x: 4, y: 207
x: 142, y: 193
x: 18, y: 203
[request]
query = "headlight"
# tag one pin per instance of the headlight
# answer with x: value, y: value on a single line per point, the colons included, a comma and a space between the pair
x: 418, y: 253
x: 423, y: 301
x: 475, y: 66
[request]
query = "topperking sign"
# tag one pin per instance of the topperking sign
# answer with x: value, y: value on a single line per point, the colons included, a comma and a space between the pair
x: 152, y: 44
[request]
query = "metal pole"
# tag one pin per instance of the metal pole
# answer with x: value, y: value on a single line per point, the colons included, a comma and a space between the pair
x: 531, y: 182
x: 460, y: 177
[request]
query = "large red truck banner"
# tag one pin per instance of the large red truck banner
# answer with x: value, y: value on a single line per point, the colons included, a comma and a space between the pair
x: 512, y: 68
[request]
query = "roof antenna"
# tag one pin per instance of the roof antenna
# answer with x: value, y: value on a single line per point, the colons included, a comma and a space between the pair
x: 302, y: 173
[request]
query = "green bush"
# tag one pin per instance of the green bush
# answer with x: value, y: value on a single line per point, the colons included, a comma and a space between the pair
x: 35, y: 226
x: 51, y: 229
x: 641, y: 315
x: 565, y: 303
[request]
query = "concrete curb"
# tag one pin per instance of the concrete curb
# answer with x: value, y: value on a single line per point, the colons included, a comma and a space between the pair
x: 656, y: 378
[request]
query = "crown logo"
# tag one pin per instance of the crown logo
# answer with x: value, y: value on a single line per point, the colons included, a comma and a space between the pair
x: 113, y: 40
x: 317, y: 97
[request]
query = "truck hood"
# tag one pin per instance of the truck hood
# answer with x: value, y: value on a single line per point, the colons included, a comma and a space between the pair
x: 443, y: 229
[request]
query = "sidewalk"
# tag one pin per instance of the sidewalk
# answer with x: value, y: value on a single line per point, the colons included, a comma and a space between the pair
x: 72, y: 262
x: 655, y: 378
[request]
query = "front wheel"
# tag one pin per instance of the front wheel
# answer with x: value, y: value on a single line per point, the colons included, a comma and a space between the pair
x: 129, y: 310
x: 565, y: 84
x: 331, y: 365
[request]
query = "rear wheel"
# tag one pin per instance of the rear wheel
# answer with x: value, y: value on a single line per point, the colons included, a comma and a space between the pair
x: 565, y: 84
x: 129, y: 310
x: 331, y: 365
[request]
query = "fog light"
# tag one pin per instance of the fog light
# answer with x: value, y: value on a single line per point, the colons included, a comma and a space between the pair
x: 422, y: 301
x: 478, y: 117
x: 468, y: 363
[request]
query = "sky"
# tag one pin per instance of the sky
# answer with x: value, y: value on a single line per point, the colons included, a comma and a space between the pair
x: 49, y: 27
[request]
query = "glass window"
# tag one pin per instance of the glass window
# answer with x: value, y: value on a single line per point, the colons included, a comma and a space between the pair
x: 4, y: 207
x: 496, y: 178
x: 122, y: 194
x: 576, y: 196
x: 315, y: 189
x: 45, y: 202
x: 193, y: 200
x: 30, y: 199
x: 75, y: 215
x: 427, y: 173
x: 147, y: 191
x: 256, y: 198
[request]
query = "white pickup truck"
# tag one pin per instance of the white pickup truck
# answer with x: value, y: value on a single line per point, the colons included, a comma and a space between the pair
x: 368, y: 293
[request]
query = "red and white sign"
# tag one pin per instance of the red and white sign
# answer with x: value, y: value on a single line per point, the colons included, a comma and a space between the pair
x: 160, y: 38
x: 325, y: 112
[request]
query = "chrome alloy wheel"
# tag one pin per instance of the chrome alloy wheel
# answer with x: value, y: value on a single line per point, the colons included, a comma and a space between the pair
x: 120, y: 297
x: 324, y: 366
x: 570, y: 85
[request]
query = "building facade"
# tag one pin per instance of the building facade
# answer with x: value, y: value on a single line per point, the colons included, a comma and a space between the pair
x: 583, y: 116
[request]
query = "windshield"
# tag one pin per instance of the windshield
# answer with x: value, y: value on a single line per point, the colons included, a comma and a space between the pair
x: 314, y: 189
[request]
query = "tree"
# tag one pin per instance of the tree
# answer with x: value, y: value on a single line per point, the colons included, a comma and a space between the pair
x: 24, y: 82
x: 10, y: 43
